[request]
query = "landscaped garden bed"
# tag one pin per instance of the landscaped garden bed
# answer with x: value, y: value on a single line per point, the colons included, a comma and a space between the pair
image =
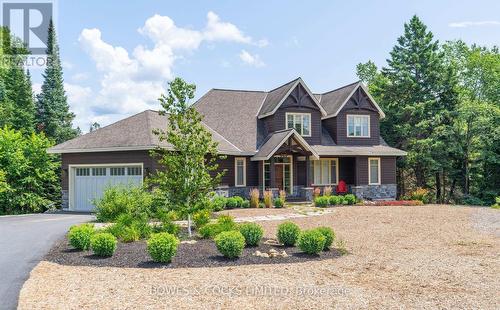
x: 203, y: 253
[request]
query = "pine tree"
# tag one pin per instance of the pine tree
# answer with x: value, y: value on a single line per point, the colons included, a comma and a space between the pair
x: 53, y: 115
x: 412, y: 96
x: 17, y: 105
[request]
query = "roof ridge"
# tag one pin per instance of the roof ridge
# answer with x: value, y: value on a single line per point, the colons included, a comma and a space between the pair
x: 331, y: 91
x: 289, y: 82
x: 242, y: 90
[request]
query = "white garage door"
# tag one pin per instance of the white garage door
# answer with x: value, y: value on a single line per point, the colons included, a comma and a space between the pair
x: 90, y: 182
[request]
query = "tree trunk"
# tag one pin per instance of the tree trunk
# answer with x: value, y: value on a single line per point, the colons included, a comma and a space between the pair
x: 438, y: 187
x: 452, y: 189
x: 189, y: 225
x: 420, y: 176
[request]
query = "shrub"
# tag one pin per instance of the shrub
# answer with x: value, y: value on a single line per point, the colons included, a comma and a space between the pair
x: 166, y: 222
x: 268, y: 199
x: 119, y: 200
x: 421, y: 194
x: 224, y: 223
x: 316, y: 192
x: 254, y: 198
x: 497, y: 203
x: 201, y: 218
x: 288, y: 232
x: 283, y: 195
x: 350, y: 199
x: 162, y: 247
x: 218, y: 203
x: 327, y: 191
x: 262, y: 205
x: 279, y: 203
x: 239, y: 201
x: 129, y: 234
x: 321, y: 202
x: 79, y: 236
x: 103, y: 244
x: 311, y: 241
x: 335, y: 200
x: 343, y: 200
x: 231, y: 203
x: 329, y: 236
x: 252, y: 232
x: 230, y: 243
x: 472, y: 201
x: 245, y: 204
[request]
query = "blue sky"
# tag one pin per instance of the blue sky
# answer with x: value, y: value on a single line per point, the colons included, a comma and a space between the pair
x: 119, y: 55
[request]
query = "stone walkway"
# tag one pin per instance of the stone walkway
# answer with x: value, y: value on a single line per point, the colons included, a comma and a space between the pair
x: 282, y: 217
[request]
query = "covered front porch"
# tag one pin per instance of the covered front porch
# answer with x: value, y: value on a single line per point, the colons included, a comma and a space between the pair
x: 288, y: 163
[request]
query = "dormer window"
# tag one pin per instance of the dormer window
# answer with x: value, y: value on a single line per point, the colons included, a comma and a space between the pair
x: 358, y: 126
x: 301, y: 122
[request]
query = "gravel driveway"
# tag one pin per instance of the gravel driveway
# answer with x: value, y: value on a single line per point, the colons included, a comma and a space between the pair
x: 24, y: 240
x: 400, y: 257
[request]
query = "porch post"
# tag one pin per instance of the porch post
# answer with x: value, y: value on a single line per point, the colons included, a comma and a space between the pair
x: 308, y: 182
x: 272, y: 173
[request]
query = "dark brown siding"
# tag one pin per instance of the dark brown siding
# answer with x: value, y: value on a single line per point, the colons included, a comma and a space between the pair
x: 277, y: 121
x: 359, y: 103
x: 300, y: 172
x: 387, y: 172
x: 121, y: 157
x: 330, y: 124
x: 228, y: 178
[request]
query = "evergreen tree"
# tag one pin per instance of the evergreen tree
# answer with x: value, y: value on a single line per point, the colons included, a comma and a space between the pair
x: 415, y: 97
x: 53, y: 115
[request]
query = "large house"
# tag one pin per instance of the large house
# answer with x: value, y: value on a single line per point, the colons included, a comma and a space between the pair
x: 288, y: 138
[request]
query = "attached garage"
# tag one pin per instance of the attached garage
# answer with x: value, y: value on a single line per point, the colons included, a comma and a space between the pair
x: 88, y: 182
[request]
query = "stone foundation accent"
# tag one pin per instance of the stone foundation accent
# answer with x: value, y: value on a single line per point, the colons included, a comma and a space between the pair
x: 65, y: 199
x: 307, y: 193
x: 375, y: 192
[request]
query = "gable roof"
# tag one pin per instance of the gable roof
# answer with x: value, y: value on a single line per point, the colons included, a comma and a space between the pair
x: 132, y: 133
x: 232, y: 113
x: 333, y: 101
x: 276, y: 139
x: 277, y: 96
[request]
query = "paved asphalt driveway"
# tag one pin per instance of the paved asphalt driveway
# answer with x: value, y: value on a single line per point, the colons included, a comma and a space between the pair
x: 24, y: 240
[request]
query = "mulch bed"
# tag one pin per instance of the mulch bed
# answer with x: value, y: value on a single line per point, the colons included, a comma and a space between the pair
x: 201, y: 254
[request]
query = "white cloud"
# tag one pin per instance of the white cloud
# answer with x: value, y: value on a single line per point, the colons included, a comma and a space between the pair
x: 80, y: 76
x: 474, y: 24
x: 132, y: 82
x: 252, y: 60
x: 67, y: 65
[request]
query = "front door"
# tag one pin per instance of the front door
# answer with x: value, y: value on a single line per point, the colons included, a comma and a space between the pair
x: 279, y: 174
x: 282, y: 173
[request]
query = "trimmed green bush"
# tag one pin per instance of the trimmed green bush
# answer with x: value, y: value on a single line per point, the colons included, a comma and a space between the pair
x: 335, y: 200
x: 230, y: 243
x: 288, y: 232
x: 350, y: 198
x: 321, y: 202
x: 201, y: 218
x: 279, y: 203
x: 311, y: 241
x: 329, y: 236
x: 224, y: 223
x: 218, y: 203
x: 79, y: 236
x: 239, y: 201
x: 103, y: 244
x: 252, y: 232
x: 245, y: 204
x: 231, y: 203
x: 162, y: 247
x: 129, y: 234
x: 497, y: 203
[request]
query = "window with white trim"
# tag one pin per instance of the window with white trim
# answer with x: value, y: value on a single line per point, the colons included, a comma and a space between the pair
x: 82, y: 172
x: 117, y: 171
x: 374, y: 171
x: 240, y: 171
x: 134, y: 171
x: 358, y: 126
x: 325, y: 171
x: 98, y: 172
x: 301, y: 122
